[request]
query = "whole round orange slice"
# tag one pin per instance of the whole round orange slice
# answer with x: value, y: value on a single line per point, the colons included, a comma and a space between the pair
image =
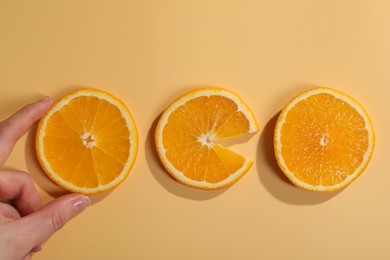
x: 187, y: 132
x: 323, y: 140
x: 87, y: 142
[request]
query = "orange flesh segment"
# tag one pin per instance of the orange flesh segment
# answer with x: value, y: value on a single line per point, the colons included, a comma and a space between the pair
x: 319, y: 152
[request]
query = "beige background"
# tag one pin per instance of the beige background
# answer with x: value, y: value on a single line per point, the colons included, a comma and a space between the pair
x: 149, y: 52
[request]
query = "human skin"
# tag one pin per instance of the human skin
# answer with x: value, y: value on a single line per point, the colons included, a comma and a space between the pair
x: 24, y: 222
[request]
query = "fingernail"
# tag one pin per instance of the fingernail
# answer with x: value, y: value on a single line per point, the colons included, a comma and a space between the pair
x: 37, y: 248
x: 46, y: 99
x: 81, y: 203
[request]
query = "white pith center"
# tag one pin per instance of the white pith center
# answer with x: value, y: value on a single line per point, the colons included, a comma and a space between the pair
x: 88, y: 140
x: 206, y: 139
x: 324, y: 139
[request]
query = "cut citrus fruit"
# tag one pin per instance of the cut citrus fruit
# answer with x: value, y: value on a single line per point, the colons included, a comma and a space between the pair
x: 323, y: 140
x: 87, y: 142
x: 186, y: 133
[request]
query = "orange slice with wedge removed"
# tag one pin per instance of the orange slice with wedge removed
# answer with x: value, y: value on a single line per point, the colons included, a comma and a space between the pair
x: 187, y: 132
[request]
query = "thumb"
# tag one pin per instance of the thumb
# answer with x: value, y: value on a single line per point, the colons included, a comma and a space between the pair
x: 40, y: 225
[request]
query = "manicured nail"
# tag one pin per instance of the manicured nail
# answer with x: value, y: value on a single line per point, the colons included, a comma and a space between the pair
x: 81, y: 203
x: 46, y: 99
x: 37, y: 248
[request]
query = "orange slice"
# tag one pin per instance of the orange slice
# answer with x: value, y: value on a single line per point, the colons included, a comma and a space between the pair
x: 323, y: 140
x: 187, y: 132
x: 87, y: 142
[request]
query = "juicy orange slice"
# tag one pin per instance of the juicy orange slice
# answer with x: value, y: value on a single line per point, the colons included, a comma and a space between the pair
x: 187, y: 132
x: 87, y: 142
x: 323, y: 140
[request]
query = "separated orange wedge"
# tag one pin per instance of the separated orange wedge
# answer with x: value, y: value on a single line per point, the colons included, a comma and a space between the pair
x: 188, y: 130
x: 87, y: 142
x: 323, y: 140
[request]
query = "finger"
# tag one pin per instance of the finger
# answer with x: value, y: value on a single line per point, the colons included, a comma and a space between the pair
x: 27, y: 257
x: 16, y: 125
x: 19, y: 188
x: 9, y: 212
x: 40, y: 225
